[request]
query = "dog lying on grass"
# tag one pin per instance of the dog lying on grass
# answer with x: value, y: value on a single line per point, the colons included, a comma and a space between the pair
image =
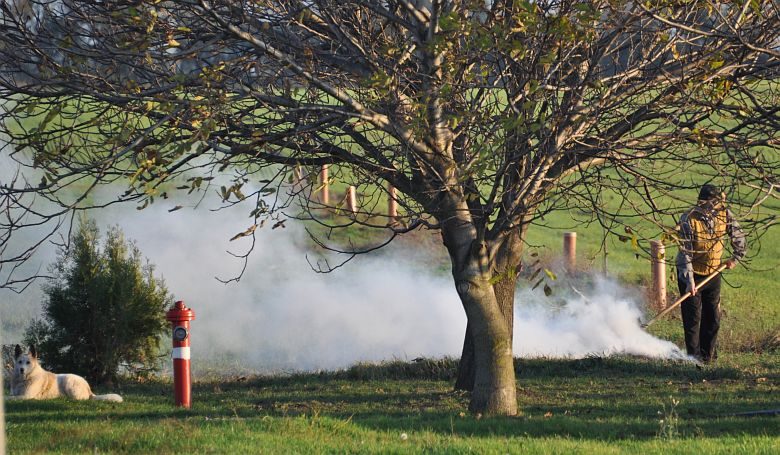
x: 30, y: 381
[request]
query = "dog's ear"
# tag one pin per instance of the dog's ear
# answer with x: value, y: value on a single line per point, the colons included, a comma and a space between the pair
x: 33, y: 352
x: 17, y: 351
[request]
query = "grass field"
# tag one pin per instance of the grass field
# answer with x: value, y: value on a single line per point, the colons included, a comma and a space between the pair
x: 593, y: 405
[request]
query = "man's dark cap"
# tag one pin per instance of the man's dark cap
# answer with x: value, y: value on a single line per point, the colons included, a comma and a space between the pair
x: 709, y: 192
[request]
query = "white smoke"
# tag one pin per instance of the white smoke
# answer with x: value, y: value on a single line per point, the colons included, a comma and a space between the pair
x: 604, y: 321
x: 282, y: 316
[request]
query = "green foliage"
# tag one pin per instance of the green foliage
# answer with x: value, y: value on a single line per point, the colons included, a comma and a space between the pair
x: 104, y: 308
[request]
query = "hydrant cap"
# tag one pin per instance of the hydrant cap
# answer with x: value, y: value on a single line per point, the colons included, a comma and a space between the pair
x: 180, y: 312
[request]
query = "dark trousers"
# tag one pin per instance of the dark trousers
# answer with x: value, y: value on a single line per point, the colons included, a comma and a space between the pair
x: 701, y: 318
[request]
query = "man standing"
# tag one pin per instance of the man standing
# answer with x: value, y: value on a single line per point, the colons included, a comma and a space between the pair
x: 702, y: 231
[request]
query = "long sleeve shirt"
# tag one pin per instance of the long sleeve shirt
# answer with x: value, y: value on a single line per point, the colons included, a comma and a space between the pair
x: 702, y: 233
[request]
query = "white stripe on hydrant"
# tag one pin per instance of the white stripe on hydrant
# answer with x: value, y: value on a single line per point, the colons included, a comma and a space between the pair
x: 181, y: 353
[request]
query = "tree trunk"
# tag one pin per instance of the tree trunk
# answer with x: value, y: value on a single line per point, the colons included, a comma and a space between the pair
x: 508, y: 262
x: 474, y: 267
x: 494, y: 391
x: 505, y: 296
x: 466, y: 369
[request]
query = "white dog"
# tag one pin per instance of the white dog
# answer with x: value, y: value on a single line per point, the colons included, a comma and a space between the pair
x: 31, y: 382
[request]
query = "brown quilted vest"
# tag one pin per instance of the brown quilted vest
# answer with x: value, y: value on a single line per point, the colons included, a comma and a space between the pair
x: 709, y: 229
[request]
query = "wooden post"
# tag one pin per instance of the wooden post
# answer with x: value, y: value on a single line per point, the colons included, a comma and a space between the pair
x: 605, y: 251
x: 570, y: 251
x: 325, y: 190
x: 392, y: 204
x: 351, y: 200
x: 658, y: 273
x: 298, y: 175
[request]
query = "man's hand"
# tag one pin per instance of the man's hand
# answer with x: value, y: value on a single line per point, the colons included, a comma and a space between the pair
x: 692, y: 287
x: 731, y: 263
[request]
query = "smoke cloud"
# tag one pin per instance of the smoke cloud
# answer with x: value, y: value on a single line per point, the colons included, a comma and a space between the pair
x: 282, y: 316
x: 602, y: 321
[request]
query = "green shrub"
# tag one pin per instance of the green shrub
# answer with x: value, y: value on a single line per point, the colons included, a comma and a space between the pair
x: 103, y: 309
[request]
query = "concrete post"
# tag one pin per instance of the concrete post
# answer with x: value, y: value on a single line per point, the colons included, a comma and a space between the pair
x: 570, y: 251
x: 325, y: 190
x: 352, y: 200
x: 658, y: 273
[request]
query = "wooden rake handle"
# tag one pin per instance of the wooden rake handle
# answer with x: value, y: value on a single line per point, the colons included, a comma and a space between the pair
x: 684, y: 296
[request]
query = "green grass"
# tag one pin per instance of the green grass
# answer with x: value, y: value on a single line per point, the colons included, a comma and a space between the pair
x: 594, y: 405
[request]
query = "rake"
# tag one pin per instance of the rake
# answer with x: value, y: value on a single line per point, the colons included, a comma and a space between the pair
x: 683, y: 297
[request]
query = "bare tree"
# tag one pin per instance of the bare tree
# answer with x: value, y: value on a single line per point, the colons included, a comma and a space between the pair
x: 485, y: 115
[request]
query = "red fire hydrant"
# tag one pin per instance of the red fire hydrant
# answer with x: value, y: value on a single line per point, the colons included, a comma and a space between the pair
x: 180, y: 317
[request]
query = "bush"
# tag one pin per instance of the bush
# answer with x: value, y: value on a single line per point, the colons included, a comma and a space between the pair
x: 103, y: 310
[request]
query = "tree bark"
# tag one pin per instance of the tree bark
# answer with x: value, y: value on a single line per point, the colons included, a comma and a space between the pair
x: 494, y: 391
x: 505, y: 297
x: 504, y: 291
x: 474, y: 266
x: 466, y: 369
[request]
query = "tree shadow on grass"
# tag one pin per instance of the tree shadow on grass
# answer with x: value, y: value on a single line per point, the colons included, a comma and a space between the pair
x: 593, y: 398
x: 629, y: 424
